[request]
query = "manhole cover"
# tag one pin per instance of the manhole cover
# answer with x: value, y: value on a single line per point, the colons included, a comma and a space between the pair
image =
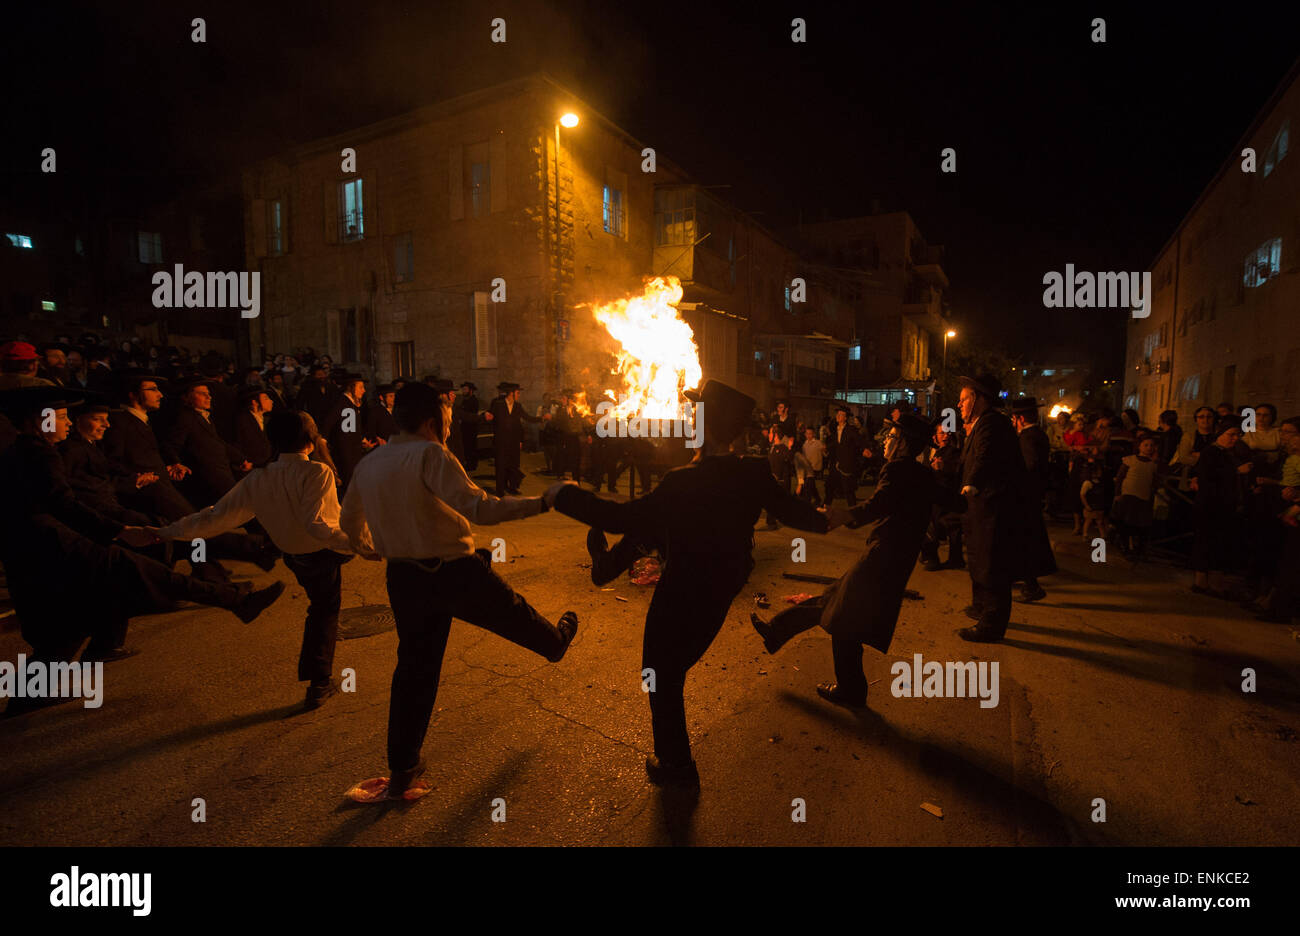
x: 364, y: 621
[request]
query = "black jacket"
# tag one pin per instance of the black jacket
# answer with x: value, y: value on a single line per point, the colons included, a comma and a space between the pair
x: 195, y: 442
x: 345, y: 446
x: 250, y: 438
x: 96, y: 480
x: 845, y: 453
x: 1037, y: 454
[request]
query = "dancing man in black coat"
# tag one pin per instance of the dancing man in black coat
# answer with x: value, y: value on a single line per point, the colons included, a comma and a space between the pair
x: 701, y: 518
x: 862, y: 606
x: 193, y: 440
x: 1036, y: 451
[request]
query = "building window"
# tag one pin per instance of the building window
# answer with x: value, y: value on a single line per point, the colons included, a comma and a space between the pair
x: 485, y: 331
x: 352, y: 218
x: 613, y: 212
x: 775, y: 370
x: 1277, y: 149
x: 787, y: 298
x: 1263, y: 263
x: 79, y: 247
x: 855, y: 352
x: 480, y: 195
x: 674, y: 218
x: 48, y: 305
x: 403, y: 359
x: 404, y: 258
x: 150, y: 246
x: 20, y: 240
x: 275, y: 227
x: 1060, y: 394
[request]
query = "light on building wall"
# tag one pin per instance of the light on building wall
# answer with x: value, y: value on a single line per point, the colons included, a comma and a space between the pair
x: 569, y: 120
x: 951, y: 334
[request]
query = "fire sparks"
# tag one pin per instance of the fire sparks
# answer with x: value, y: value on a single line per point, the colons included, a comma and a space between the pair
x: 657, y: 358
x: 1057, y: 410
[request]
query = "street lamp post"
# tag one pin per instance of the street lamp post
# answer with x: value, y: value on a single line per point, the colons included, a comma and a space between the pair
x: 943, y: 374
x: 568, y: 120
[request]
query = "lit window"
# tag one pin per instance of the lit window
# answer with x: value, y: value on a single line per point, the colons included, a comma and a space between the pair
x: 48, y: 305
x: 1277, y: 149
x: 150, y: 244
x: 352, y: 219
x: 787, y: 298
x: 20, y: 240
x: 1060, y: 394
x: 613, y: 211
x: 1048, y: 372
x: 855, y: 353
x: 1263, y: 263
x: 405, y: 258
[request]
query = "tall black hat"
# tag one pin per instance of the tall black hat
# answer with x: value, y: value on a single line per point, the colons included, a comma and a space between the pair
x: 727, y: 411
x: 985, y: 384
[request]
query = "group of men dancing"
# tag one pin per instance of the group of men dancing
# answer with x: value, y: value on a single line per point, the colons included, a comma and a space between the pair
x: 410, y: 502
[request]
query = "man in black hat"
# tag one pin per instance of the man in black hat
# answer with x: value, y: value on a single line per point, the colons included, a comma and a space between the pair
x: 314, y: 394
x: 1036, y: 451
x: 93, y: 477
x: 701, y: 518
x: 467, y: 407
x: 508, y: 417
x: 567, y: 426
x: 250, y: 425
x: 993, y: 480
x: 456, y: 439
x: 862, y: 607
x: 193, y: 440
x: 99, y: 375
x: 380, y: 424
x: 345, y: 429
x: 67, y: 579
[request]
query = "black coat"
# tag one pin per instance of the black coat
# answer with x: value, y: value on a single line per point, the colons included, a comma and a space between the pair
x: 96, y: 481
x: 999, y: 523
x: 132, y: 446
x: 345, y: 447
x: 195, y: 442
x: 864, y: 604
x: 225, y: 406
x: 380, y: 423
x: 1037, y: 454
x: 507, y: 427
x: 314, y: 398
x: 846, y: 453
x: 250, y: 438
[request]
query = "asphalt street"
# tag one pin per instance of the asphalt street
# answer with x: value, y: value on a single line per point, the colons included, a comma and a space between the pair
x: 1120, y: 686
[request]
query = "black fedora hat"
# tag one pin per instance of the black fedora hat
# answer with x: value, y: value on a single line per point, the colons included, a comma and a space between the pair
x: 985, y: 384
x: 20, y: 402
x: 1026, y: 404
x: 251, y: 393
x: 727, y: 411
x: 131, y: 378
x: 186, y: 384
x: 508, y: 386
x: 469, y: 384
x: 443, y: 385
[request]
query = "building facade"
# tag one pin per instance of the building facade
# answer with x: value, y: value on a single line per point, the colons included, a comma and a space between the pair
x: 1225, y: 320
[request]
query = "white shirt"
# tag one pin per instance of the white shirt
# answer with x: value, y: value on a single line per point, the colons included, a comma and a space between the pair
x: 292, y: 497
x: 813, y: 451
x: 414, y: 498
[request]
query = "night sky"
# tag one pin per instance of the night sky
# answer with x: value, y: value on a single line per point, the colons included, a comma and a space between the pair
x: 1067, y: 151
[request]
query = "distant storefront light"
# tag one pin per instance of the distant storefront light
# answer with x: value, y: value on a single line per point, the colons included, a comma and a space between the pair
x: 48, y: 305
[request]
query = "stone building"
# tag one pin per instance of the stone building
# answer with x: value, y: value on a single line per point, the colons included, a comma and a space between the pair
x: 1225, y: 319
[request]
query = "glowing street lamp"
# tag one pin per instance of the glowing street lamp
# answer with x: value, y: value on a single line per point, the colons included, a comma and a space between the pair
x: 569, y: 120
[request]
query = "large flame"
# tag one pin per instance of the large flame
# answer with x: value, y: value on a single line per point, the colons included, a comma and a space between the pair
x: 658, y: 358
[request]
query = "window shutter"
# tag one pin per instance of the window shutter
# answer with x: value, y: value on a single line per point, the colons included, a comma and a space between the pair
x: 497, y: 172
x: 485, y: 331
x: 330, y: 203
x: 259, y: 227
x: 456, y: 182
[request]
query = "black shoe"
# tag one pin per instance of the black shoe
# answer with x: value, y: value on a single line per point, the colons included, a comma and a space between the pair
x: 316, y: 695
x: 978, y: 634
x: 255, y: 602
x: 112, y: 656
x: 1035, y: 595
x: 567, y: 625
x: 971, y: 612
x: 831, y: 692
x: 598, y: 549
x: 686, y: 776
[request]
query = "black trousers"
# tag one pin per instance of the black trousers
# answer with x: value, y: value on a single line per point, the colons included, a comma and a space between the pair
x: 425, y: 597
x: 993, y: 601
x: 846, y: 653
x: 508, y: 475
x: 839, y: 484
x: 319, y: 573
x: 686, y: 613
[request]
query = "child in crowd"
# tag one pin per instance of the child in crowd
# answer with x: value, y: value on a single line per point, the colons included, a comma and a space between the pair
x: 1136, y: 481
x: 1093, y: 497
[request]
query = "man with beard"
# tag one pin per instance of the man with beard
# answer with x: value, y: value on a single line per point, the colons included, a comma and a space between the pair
x: 51, y: 541
x: 862, y: 606
x: 250, y: 425
x: 1036, y: 452
x: 993, y: 482
x: 701, y: 519
x: 345, y: 430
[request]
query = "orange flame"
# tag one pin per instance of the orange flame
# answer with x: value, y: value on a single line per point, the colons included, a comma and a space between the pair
x: 658, y: 358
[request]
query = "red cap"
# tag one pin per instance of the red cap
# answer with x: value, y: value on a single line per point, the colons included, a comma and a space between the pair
x: 17, y: 351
